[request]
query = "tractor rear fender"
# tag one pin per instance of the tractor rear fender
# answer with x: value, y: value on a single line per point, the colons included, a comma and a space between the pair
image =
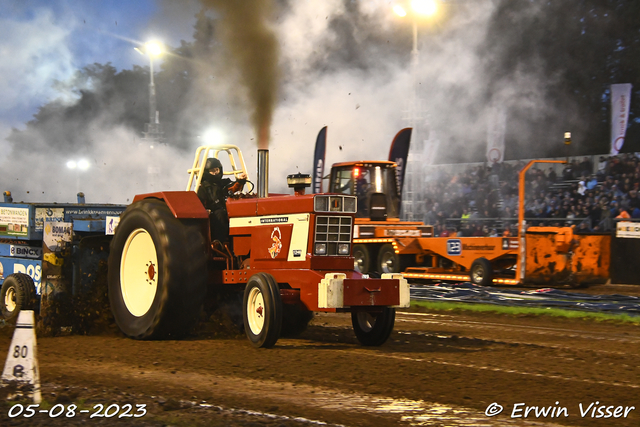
x: 183, y: 204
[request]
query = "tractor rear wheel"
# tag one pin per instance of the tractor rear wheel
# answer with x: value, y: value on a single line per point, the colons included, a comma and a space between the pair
x: 18, y: 293
x: 373, y: 329
x: 262, y: 310
x: 481, y: 272
x: 157, y: 272
x: 361, y: 259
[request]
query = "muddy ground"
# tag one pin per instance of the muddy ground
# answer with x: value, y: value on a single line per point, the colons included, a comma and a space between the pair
x: 437, y: 369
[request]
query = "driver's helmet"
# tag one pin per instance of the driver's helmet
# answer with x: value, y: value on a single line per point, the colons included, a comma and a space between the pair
x: 212, y: 163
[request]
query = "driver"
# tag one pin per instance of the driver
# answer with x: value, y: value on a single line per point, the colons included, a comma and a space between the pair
x: 213, y: 193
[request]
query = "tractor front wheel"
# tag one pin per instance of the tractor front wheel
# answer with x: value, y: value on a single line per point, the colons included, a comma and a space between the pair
x: 262, y: 310
x: 157, y: 272
x: 373, y: 329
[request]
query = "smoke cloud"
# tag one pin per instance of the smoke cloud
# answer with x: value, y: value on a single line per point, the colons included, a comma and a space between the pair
x: 304, y: 65
x: 252, y: 43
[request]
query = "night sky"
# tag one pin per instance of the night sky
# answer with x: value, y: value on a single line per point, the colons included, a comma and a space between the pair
x: 45, y: 40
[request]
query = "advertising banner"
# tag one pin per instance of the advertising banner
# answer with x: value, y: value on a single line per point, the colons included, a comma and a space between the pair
x: 14, y: 222
x: 57, y: 235
x: 620, y: 101
x: 48, y: 214
x: 495, y: 136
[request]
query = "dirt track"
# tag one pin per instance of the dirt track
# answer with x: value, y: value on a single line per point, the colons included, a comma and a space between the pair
x: 437, y: 369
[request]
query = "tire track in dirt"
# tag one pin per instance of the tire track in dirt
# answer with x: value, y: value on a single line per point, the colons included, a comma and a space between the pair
x: 494, y: 369
x: 322, y: 403
x: 541, y: 330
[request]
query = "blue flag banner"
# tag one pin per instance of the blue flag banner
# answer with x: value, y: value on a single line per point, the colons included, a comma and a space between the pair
x: 318, y: 160
x: 398, y: 154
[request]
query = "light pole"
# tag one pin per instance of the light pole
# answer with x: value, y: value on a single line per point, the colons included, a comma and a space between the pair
x: 412, y: 199
x: 420, y: 8
x: 78, y: 166
x: 153, y: 130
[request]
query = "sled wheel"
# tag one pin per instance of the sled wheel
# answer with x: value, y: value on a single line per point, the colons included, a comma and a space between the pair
x: 481, y: 272
x: 373, y: 329
x: 262, y: 310
x: 157, y: 272
x: 18, y: 293
x: 388, y: 260
x: 295, y: 319
x: 391, y: 262
x: 361, y: 259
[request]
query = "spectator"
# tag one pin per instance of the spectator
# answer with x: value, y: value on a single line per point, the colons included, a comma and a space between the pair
x: 464, y: 218
x: 567, y: 173
x: 582, y: 188
x: 623, y: 214
x: 432, y: 215
x: 602, y: 168
x: 494, y: 194
x: 583, y: 228
x: 586, y: 167
x: 478, y: 231
x: 616, y: 191
x: 634, y: 200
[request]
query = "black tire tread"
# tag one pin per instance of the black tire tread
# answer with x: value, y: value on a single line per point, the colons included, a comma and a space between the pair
x: 25, y: 294
x: 182, y: 246
x: 381, y: 330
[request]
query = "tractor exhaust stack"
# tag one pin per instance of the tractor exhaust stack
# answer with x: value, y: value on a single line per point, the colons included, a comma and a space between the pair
x: 263, y: 173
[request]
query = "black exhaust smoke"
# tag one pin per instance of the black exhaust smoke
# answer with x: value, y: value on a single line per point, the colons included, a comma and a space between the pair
x: 250, y: 39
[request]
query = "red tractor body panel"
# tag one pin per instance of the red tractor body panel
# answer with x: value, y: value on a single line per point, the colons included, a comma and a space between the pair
x: 273, y: 205
x: 183, y: 204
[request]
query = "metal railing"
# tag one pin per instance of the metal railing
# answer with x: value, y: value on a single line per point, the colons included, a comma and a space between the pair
x: 501, y: 224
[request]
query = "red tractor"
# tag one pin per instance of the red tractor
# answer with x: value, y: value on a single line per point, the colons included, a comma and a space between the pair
x: 288, y: 256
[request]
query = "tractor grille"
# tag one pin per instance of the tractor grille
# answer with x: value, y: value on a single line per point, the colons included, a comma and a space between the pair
x: 333, y: 235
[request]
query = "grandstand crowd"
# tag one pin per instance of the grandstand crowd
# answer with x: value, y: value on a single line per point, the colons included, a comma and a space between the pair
x: 483, y: 201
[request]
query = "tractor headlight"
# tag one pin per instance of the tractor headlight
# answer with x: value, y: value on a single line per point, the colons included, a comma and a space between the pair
x: 349, y: 204
x: 321, y: 203
x: 321, y: 248
x: 343, y: 249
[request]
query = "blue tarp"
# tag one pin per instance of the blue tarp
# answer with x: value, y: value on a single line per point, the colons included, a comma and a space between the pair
x: 541, y: 298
